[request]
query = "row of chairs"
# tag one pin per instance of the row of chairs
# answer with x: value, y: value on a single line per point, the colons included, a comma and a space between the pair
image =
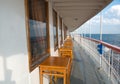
x: 67, y: 51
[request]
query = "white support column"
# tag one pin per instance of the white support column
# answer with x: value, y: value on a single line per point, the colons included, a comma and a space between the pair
x: 101, y: 37
x: 101, y: 26
x: 90, y: 28
x: 63, y: 30
x: 51, y: 28
x: 58, y: 23
x: 89, y: 34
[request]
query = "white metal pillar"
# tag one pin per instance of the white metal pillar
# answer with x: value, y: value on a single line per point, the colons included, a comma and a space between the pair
x: 101, y: 38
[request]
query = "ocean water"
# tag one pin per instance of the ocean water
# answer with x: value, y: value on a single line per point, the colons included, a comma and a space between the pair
x: 113, y: 39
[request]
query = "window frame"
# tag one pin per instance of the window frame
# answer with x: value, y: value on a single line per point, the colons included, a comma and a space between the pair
x: 65, y: 31
x: 60, y: 26
x: 55, y: 23
x: 33, y: 65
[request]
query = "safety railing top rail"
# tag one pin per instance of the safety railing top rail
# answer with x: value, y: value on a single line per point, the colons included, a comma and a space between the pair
x: 110, y: 61
x: 113, y: 47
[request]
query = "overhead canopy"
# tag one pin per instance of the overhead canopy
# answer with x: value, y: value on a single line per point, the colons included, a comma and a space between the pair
x: 76, y: 12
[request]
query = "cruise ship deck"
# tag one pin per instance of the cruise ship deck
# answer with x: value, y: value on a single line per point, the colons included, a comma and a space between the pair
x: 32, y: 33
x: 85, y: 69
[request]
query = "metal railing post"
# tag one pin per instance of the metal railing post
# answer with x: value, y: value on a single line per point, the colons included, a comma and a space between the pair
x: 101, y: 37
x: 109, y: 54
x: 111, y: 64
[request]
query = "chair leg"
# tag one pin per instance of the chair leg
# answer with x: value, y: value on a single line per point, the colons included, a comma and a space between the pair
x: 50, y: 79
x: 56, y: 79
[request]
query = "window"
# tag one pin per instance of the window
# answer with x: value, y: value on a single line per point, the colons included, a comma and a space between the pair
x: 61, y: 39
x: 38, y: 32
x: 55, y: 30
x: 65, y: 31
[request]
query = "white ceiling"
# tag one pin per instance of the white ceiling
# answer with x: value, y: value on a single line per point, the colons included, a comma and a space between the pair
x: 76, y: 12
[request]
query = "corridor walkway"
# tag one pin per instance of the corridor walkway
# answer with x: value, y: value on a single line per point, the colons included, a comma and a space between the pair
x: 84, y: 70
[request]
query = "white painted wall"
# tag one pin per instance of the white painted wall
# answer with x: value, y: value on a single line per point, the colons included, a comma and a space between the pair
x: 52, y: 52
x: 13, y: 45
x: 34, y: 76
x: 14, y: 67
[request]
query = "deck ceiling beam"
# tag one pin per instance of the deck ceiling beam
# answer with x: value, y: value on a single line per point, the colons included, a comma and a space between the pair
x: 78, y: 0
x: 78, y: 8
x: 74, y: 15
x: 77, y: 4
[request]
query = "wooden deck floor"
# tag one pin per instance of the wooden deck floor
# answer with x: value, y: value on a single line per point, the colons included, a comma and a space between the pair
x: 84, y: 70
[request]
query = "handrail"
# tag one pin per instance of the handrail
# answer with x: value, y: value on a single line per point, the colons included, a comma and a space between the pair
x: 109, y: 61
x: 113, y: 47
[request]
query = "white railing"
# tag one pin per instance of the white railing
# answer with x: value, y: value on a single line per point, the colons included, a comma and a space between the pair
x: 109, y: 61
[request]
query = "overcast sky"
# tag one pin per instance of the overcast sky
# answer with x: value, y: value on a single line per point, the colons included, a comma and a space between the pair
x: 110, y: 21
